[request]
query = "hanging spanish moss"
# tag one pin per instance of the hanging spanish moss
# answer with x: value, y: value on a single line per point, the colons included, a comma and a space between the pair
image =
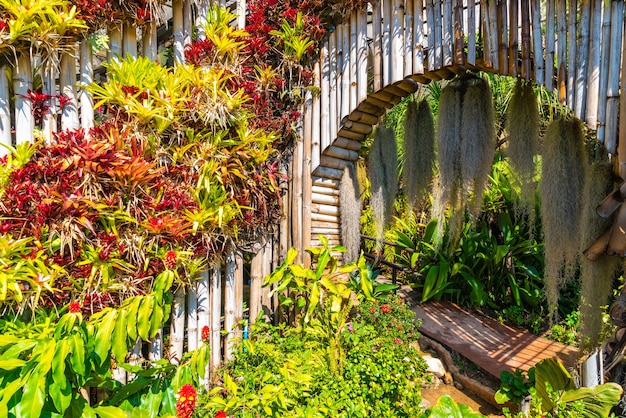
x: 596, y: 276
x: 522, y: 125
x: 465, y: 151
x: 478, y: 142
x: 447, y: 183
x: 562, y: 192
x: 383, y: 174
x: 419, y: 151
x: 350, y: 203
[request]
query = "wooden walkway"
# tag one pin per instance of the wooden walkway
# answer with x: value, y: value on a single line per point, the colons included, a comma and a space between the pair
x: 487, y: 343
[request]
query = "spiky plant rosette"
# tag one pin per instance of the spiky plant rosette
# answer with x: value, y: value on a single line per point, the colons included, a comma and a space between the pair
x: 522, y: 126
x: 350, y: 203
x: 597, y: 276
x: 564, y: 167
x: 419, y: 151
x: 383, y: 175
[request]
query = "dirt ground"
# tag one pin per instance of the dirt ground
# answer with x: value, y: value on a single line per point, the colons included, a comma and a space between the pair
x: 477, y: 404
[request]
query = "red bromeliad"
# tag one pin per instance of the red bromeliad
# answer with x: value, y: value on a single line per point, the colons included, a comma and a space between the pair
x: 186, y: 403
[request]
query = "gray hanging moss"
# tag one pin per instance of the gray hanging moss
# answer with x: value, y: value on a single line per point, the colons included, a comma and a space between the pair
x: 419, y: 151
x: 465, y: 150
x: 522, y: 126
x: 350, y: 203
x: 564, y: 166
x: 596, y: 276
x: 383, y: 175
x: 478, y: 143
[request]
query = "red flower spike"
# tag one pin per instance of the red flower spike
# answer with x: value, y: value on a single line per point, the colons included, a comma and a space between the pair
x: 385, y: 308
x: 221, y: 414
x: 186, y: 403
x: 206, y: 333
x: 74, y: 307
x: 170, y: 260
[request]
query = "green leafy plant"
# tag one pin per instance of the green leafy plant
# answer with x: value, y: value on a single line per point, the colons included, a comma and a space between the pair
x: 447, y: 408
x: 515, y: 387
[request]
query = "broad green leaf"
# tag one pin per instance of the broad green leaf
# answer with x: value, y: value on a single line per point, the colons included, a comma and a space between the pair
x: 143, y: 317
x: 110, y: 412
x: 33, y: 397
x: 11, y: 364
x: 119, y: 338
x: 104, y: 332
x: 551, y: 371
x: 156, y: 320
x: 77, y: 354
x: 598, y: 401
x: 300, y: 271
x: 131, y: 322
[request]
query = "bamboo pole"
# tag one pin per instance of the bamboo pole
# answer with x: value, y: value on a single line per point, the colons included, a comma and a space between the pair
x: 409, y: 38
x: 397, y: 42
x: 418, y: 36
x: 325, y: 98
x: 129, y: 40
x: 325, y: 182
x: 342, y: 100
x: 447, y: 33
x: 354, y: 57
x: 341, y: 153
x: 67, y: 81
x: 315, y: 127
x: 514, y: 16
x: 332, y: 103
x: 604, y: 69
x: 115, y: 42
x: 239, y: 267
x: 149, y: 43
x: 526, y: 40
x: 229, y: 304
x: 550, y: 46
x: 386, y: 46
x: 204, y: 303
x: 324, y: 190
x: 612, y: 103
x: 485, y: 24
x: 503, y: 47
x: 118, y: 374
x: 256, y: 281
x: 430, y: 33
x: 135, y: 358
x: 471, y: 32
x: 537, y: 42
x: 306, y: 175
x: 295, y: 218
x: 178, y: 31
x: 86, y: 78
x: 345, y: 69
x: 582, y: 60
x: 192, y: 318
x: 202, y: 9
x: 177, y: 327
x: 361, y: 58
x: 459, y: 37
x: 328, y: 172
x: 216, y: 315
x: 621, y: 153
x: 22, y: 83
x: 241, y: 14
x: 438, y: 34
x: 572, y: 59
x: 377, y: 45
x: 276, y: 259
x: 593, y: 66
x: 561, y: 22
x: 5, y: 111
x: 349, y: 144
x: 266, y: 303
x: 494, y: 34
x: 49, y: 123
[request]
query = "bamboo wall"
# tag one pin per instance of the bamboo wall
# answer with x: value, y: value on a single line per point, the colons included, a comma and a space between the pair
x: 369, y: 63
x: 376, y: 58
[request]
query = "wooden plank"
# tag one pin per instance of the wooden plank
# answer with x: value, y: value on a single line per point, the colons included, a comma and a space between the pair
x: 333, y: 120
x: 362, y: 128
x: 526, y: 40
x: 408, y: 86
x: 430, y: 34
x: 177, y: 326
x: 438, y: 22
x: 229, y: 304
x: 537, y: 50
x: 370, y: 108
x: 378, y: 102
x: 342, y: 153
x: 397, y: 41
x: 325, y: 98
x: 494, y: 34
x: 306, y: 172
x: 325, y: 199
x: 256, y: 281
x: 332, y: 162
x: 149, y: 41
x: 325, y: 182
x: 409, y: 38
x: 490, y: 345
x: 503, y: 41
x: 572, y: 59
x: 354, y: 91
x: 387, y: 96
x: 331, y: 191
x: 377, y: 45
x: 363, y: 117
x: 396, y: 91
x: 325, y: 209
x: 295, y: 220
x: 612, y: 105
x: 318, y: 217
x: 459, y: 36
x: 343, y: 66
x: 447, y: 33
x: 361, y: 58
x: 5, y: 111
x: 241, y: 14
x: 192, y: 318
x: 178, y: 31
x: 354, y: 136
x: 485, y: 25
x: 129, y: 40
x: 115, y: 42
x: 561, y: 30
x: 346, y: 143
x: 316, y: 132
x: 22, y: 83
x: 621, y: 152
x: 334, y: 224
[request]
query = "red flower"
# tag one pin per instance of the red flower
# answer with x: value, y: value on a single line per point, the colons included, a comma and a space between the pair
x: 220, y: 414
x: 385, y: 308
x: 372, y: 310
x: 186, y: 402
x: 206, y: 333
x: 170, y: 260
x: 74, y: 307
x: 397, y: 340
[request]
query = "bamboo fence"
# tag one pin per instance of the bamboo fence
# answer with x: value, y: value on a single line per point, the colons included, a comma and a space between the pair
x: 370, y: 62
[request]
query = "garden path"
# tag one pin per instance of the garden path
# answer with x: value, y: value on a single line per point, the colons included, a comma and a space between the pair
x: 487, y: 343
